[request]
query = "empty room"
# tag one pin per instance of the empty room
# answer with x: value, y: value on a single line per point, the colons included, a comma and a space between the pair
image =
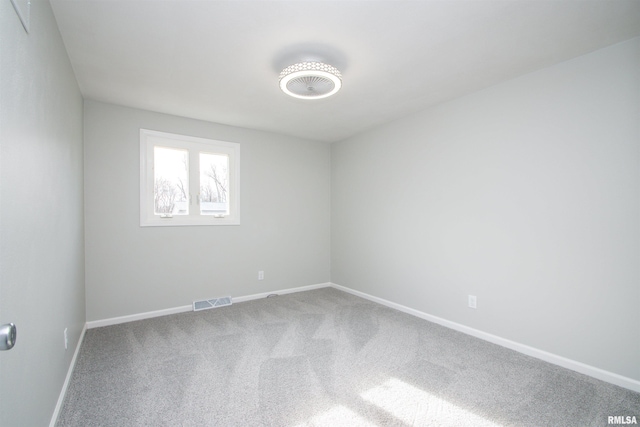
x: 319, y: 213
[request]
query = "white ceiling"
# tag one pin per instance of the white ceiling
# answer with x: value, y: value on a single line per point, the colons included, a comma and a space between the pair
x: 219, y: 60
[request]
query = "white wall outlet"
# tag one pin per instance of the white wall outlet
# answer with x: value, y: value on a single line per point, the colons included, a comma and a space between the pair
x: 472, y: 301
x: 66, y: 339
x: 260, y: 275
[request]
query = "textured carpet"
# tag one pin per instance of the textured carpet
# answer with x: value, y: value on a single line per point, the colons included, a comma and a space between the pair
x: 321, y: 358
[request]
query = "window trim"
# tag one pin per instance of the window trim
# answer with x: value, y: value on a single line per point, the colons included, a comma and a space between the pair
x: 150, y: 139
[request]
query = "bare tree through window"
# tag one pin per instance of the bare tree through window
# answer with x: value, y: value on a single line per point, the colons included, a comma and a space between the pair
x: 214, y: 183
x: 171, y: 173
x: 164, y: 196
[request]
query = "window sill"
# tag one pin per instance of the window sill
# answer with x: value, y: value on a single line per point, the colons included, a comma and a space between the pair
x: 177, y: 221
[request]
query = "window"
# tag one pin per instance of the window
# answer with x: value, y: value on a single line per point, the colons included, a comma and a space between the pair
x: 186, y: 180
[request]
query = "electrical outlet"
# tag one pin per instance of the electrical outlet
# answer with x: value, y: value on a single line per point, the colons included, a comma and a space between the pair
x: 472, y: 301
x: 260, y: 275
x: 66, y: 339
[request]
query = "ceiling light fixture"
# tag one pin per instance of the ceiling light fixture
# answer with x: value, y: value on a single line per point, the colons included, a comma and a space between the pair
x: 310, y: 80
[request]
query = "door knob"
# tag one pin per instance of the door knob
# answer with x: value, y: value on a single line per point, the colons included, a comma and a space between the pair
x: 8, y: 335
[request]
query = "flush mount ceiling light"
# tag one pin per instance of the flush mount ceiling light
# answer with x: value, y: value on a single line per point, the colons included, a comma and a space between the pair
x: 310, y: 80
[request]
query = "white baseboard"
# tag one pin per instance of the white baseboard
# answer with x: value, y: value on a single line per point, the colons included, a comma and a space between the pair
x: 140, y: 316
x: 65, y: 385
x: 282, y: 292
x: 157, y: 313
x: 573, y: 365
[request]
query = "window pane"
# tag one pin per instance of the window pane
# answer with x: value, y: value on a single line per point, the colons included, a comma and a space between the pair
x: 171, y: 181
x: 214, y: 184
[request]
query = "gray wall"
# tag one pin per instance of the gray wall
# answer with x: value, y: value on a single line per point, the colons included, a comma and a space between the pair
x: 285, y: 184
x: 526, y: 195
x: 41, y: 219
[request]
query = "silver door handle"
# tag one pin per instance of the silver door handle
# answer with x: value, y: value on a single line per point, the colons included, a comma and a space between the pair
x: 8, y: 335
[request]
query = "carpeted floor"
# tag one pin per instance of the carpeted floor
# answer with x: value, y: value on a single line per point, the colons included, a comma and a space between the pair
x: 321, y: 358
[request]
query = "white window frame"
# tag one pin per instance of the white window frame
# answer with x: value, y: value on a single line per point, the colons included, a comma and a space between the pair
x: 150, y: 139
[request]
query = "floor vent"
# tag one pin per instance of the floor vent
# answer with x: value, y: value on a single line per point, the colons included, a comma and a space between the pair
x: 211, y: 303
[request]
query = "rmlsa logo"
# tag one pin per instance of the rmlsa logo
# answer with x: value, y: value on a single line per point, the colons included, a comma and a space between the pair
x: 621, y: 420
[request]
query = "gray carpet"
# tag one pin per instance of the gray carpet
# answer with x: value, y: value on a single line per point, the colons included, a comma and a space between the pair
x: 321, y: 358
